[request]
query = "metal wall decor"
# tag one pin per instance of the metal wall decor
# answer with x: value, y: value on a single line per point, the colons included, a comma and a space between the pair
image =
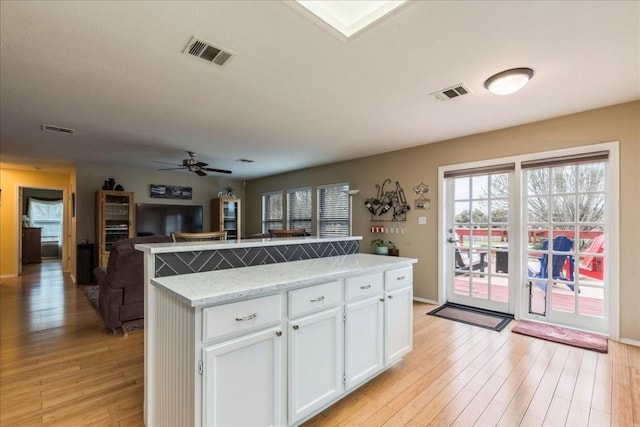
x: 421, y: 202
x: 388, y: 201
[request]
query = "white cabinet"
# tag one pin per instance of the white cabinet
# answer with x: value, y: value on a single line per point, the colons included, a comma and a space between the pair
x: 398, y: 326
x: 243, y: 380
x: 315, y: 351
x: 363, y: 328
x: 278, y: 358
x: 246, y: 369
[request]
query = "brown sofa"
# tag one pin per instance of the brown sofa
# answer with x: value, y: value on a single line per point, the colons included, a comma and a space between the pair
x: 121, y: 284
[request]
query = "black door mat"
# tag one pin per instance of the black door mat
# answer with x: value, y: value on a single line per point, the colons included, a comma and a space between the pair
x: 473, y: 316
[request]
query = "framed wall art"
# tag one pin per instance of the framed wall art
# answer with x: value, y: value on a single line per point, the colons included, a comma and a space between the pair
x: 159, y: 191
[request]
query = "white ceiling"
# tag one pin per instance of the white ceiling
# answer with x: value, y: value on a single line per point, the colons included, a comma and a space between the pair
x: 294, y: 95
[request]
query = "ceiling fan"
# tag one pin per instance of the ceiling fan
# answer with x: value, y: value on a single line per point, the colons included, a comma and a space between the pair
x: 192, y: 165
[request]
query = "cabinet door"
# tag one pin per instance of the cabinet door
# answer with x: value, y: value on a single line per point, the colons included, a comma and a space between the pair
x: 398, y: 330
x: 243, y: 381
x: 315, y: 362
x: 363, y: 337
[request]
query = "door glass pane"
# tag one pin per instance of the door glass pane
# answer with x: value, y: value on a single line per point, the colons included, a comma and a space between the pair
x: 461, y: 188
x: 563, y: 179
x: 591, y: 177
x: 479, y: 186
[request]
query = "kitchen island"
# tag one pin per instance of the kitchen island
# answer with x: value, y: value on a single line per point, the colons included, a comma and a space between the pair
x: 285, y: 339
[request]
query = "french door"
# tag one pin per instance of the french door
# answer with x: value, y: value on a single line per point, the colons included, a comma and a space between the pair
x: 565, y: 213
x: 478, y: 240
x: 534, y: 236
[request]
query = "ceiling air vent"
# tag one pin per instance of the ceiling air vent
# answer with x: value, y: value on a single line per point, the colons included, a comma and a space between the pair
x: 58, y: 129
x: 451, y: 92
x: 206, y: 51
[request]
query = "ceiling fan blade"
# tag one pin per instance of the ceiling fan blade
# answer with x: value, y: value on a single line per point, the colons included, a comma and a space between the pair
x: 166, y: 163
x: 199, y: 172
x: 201, y: 164
x: 216, y: 170
x: 170, y: 169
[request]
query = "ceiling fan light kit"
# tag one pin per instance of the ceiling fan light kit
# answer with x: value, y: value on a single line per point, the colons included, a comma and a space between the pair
x: 508, y: 81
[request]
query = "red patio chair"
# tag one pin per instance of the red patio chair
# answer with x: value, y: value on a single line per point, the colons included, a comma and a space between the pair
x: 592, y: 266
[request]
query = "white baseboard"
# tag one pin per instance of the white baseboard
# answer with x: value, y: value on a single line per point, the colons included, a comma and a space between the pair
x: 73, y: 279
x: 634, y: 343
x: 428, y: 301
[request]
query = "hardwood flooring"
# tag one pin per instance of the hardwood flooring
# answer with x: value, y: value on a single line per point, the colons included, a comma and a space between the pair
x: 60, y: 366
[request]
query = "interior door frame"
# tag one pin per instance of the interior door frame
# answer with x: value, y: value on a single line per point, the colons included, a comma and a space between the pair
x: 19, y: 213
x: 612, y: 219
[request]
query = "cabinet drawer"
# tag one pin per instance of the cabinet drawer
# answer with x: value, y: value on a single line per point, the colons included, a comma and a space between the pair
x: 229, y: 319
x: 396, y: 279
x: 363, y: 286
x: 314, y: 298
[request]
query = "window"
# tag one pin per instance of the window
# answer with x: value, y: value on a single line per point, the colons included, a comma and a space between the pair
x: 272, y: 217
x: 47, y: 214
x: 299, y: 209
x: 334, y: 215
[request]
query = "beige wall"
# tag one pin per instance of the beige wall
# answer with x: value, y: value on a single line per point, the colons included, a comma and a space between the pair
x: 91, y: 177
x: 11, y: 180
x: 420, y: 164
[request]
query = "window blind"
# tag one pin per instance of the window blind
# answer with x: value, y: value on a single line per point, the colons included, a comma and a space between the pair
x: 333, y: 210
x: 506, y: 167
x: 299, y: 209
x: 272, y: 215
x: 566, y: 160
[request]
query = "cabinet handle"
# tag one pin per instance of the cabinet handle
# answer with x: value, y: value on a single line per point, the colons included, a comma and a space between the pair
x: 279, y: 333
x: 249, y: 317
x: 296, y: 327
x: 317, y: 299
x: 400, y: 278
x: 381, y: 299
x: 365, y: 287
x: 390, y: 296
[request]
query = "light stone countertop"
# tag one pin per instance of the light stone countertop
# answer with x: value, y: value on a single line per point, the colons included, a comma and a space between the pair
x: 157, y: 248
x: 212, y: 287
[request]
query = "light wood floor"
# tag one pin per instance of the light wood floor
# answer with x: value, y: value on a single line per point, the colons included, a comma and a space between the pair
x: 60, y: 366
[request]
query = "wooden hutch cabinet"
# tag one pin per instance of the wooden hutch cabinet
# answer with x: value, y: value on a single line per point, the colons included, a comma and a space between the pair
x: 114, y: 221
x: 225, y: 216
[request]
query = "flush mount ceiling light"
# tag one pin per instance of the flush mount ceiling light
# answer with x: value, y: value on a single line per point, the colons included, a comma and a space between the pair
x: 509, y: 81
x: 350, y: 17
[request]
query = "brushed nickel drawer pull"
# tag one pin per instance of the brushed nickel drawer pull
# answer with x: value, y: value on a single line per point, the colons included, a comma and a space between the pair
x: 317, y: 299
x: 400, y: 278
x: 245, y: 318
x: 365, y: 287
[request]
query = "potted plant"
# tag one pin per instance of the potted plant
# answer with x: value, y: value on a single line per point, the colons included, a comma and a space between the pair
x: 380, y: 245
x: 393, y: 249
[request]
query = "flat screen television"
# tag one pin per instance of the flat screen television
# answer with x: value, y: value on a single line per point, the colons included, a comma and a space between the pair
x: 152, y: 219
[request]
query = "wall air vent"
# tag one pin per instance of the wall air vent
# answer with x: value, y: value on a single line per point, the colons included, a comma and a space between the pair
x: 206, y: 51
x: 58, y: 129
x: 451, y: 92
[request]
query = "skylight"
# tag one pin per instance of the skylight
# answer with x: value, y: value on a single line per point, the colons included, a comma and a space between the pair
x: 350, y: 17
